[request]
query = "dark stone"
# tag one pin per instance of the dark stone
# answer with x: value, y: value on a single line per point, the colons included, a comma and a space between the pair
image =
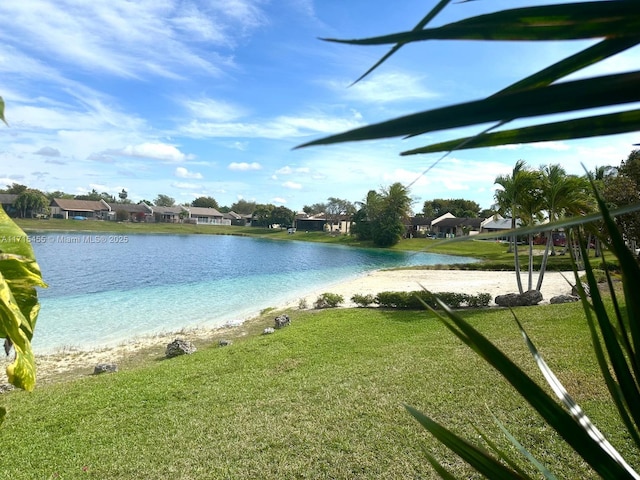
x: 224, y: 343
x: 564, y: 299
x: 282, y: 321
x: 179, y: 347
x: 575, y: 293
x: 105, y: 368
x: 532, y: 297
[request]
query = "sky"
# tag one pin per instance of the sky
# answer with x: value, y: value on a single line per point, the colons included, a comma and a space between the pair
x: 191, y: 98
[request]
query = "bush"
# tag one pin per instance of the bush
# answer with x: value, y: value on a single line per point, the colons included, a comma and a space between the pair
x: 414, y: 300
x: 328, y: 300
x: 363, y: 300
x: 302, y: 304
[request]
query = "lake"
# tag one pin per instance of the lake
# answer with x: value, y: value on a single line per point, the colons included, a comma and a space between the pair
x: 105, y: 289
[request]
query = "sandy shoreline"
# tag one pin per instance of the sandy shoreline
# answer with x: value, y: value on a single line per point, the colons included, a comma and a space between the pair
x: 461, y: 281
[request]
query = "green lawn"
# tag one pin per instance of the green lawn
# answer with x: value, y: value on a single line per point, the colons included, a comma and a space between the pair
x: 320, y: 399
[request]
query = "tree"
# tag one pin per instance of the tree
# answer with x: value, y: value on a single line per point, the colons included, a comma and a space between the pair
x: 92, y: 195
x: 314, y: 209
x: 336, y: 209
x: 561, y: 195
x: 262, y: 215
x: 458, y: 207
x: 15, y: 189
x: 624, y: 189
x: 205, y: 202
x: 32, y: 202
x: 243, y: 207
x: 383, y: 216
x: 123, y: 196
x: 282, y: 216
x: 58, y: 194
x: 164, y: 201
x: 510, y: 199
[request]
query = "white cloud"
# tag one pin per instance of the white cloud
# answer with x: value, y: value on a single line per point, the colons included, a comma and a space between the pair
x: 244, y: 166
x: 290, y: 170
x: 159, y: 151
x: 557, y: 146
x: 182, y: 172
x: 386, y: 87
x: 279, y: 200
x: 216, y: 110
x: 292, y: 185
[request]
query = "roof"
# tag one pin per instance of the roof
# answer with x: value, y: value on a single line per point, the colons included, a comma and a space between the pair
x: 168, y: 210
x: 204, y: 212
x: 499, y: 224
x: 419, y: 220
x: 457, y: 222
x: 131, y: 207
x: 80, y: 205
x: 7, y: 198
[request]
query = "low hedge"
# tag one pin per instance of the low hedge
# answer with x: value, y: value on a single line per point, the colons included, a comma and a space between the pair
x: 415, y: 300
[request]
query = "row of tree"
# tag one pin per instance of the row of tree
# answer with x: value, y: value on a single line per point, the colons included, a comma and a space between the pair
x: 531, y: 196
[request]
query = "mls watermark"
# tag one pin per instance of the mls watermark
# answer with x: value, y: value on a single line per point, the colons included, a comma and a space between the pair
x: 65, y: 239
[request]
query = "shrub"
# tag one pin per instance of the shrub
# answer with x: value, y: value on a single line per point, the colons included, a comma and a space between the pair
x: 302, y: 304
x: 479, y: 300
x: 328, y: 300
x: 363, y: 300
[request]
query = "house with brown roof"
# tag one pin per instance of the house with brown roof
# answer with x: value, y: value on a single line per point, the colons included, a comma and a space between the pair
x: 70, y: 208
x: 168, y: 214
x: 206, y: 216
x: 133, y: 212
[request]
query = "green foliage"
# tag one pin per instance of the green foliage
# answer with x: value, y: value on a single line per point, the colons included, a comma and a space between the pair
x: 19, y: 306
x: 205, y: 202
x: 122, y: 215
x: 417, y: 299
x: 2, y: 111
x: 459, y: 207
x: 164, y: 201
x: 383, y: 216
x: 328, y: 300
x: 363, y: 300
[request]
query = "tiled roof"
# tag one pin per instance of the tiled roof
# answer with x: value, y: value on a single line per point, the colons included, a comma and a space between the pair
x: 204, y: 212
x: 131, y: 207
x: 79, y: 205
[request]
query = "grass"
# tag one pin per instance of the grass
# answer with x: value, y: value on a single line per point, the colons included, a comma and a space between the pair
x: 320, y: 399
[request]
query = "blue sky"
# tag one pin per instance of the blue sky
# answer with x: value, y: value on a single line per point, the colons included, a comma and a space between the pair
x: 192, y: 98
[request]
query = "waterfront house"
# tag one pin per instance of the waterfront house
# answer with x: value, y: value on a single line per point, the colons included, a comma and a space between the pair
x: 206, y: 216
x: 133, y: 212
x: 169, y: 214
x: 79, y: 209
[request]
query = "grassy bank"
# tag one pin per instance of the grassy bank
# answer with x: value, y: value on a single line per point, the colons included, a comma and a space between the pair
x: 320, y: 399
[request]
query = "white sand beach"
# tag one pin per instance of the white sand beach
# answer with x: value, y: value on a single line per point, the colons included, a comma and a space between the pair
x: 461, y: 281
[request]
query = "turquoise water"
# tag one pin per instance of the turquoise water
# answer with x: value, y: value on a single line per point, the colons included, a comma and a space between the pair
x: 106, y: 289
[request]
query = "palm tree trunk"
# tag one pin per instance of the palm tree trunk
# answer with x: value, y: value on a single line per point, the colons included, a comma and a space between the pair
x: 530, y: 283
x: 545, y: 258
x: 517, y: 263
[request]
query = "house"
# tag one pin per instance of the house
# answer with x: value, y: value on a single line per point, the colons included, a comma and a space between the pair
x: 6, y: 200
x: 420, y: 225
x: 238, y: 219
x: 206, y: 216
x: 449, y: 227
x: 310, y: 223
x: 133, y: 212
x: 168, y: 214
x: 497, y: 225
x: 79, y: 209
x: 321, y: 222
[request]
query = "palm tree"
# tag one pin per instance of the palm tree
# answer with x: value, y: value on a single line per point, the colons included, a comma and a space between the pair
x: 562, y: 195
x: 510, y: 200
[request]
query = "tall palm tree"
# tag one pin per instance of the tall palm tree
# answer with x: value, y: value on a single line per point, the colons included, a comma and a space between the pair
x: 510, y: 199
x: 562, y: 195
